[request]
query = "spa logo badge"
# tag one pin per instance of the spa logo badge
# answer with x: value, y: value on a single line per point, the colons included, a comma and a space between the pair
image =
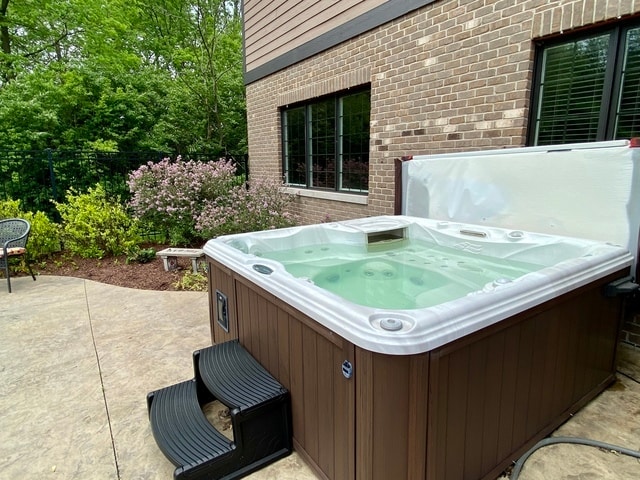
x: 469, y: 247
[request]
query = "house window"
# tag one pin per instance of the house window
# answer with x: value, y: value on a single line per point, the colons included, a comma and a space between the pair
x: 588, y: 88
x: 326, y: 143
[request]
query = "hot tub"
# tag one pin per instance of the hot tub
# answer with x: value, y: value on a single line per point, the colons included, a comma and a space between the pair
x: 417, y: 348
x: 403, y: 285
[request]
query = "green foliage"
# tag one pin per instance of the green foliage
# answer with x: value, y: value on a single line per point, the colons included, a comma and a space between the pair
x: 202, y: 47
x: 149, y: 75
x: 44, y: 236
x: 140, y: 255
x: 82, y: 108
x: 10, y: 209
x: 101, y: 145
x: 94, y: 226
x: 196, y: 282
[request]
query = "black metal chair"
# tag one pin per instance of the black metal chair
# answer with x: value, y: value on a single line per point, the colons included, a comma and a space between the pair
x: 14, y: 233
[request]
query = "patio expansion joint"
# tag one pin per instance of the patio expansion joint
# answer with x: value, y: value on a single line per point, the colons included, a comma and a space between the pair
x: 627, y: 375
x: 104, y: 396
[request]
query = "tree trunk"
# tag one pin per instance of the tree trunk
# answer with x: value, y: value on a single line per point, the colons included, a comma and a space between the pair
x: 6, y: 68
x: 5, y: 40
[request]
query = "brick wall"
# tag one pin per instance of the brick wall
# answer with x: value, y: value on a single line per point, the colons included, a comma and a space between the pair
x: 631, y: 328
x: 631, y: 331
x: 451, y: 76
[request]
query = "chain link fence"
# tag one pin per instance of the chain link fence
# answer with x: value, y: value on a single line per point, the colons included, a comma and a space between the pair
x: 38, y: 178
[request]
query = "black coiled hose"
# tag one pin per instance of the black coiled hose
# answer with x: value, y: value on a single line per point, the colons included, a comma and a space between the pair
x: 580, y: 441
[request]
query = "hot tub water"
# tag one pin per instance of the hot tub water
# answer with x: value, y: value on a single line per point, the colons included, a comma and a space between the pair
x: 399, y: 274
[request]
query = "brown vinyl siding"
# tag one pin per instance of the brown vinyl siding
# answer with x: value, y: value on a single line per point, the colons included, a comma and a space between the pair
x: 493, y: 392
x: 303, y: 356
x: 391, y: 413
x: 221, y: 277
x: 273, y: 28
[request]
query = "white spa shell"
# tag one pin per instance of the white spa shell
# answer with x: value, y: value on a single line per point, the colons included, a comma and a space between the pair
x: 569, y: 264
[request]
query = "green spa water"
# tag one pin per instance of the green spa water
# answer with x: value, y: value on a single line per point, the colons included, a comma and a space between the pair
x: 398, y: 274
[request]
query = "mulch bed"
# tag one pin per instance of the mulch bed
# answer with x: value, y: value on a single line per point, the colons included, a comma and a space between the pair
x: 115, y: 270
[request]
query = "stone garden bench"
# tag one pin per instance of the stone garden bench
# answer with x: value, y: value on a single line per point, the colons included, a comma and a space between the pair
x: 170, y: 257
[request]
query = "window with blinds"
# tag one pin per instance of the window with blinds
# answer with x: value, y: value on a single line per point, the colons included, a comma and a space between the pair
x: 326, y: 143
x: 628, y: 109
x: 588, y: 89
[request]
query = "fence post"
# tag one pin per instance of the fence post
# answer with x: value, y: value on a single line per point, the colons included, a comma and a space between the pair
x: 52, y: 175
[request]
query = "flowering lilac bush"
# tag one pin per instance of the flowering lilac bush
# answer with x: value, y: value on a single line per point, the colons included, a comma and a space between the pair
x: 261, y: 206
x: 169, y: 196
x: 195, y: 201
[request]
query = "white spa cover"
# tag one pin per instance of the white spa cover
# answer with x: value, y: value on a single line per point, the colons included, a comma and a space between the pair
x: 589, y: 190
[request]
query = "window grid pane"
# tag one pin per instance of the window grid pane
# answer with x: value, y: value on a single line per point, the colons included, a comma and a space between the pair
x: 353, y: 158
x: 294, y: 148
x: 322, y: 127
x: 628, y: 112
x: 326, y: 143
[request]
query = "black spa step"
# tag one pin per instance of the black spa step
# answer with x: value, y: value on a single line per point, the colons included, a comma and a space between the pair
x: 234, y: 377
x: 260, y: 411
x: 184, y: 434
x: 259, y: 406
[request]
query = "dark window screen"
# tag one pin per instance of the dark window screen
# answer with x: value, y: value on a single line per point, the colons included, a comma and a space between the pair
x: 353, y: 161
x: 326, y: 143
x: 628, y: 114
x: 588, y: 89
x: 294, y: 146
x: 322, y: 142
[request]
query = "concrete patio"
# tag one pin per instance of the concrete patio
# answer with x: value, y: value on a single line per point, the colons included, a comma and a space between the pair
x: 77, y: 359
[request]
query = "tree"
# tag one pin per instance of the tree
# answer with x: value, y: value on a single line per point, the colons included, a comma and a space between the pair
x: 199, y: 44
x: 133, y: 75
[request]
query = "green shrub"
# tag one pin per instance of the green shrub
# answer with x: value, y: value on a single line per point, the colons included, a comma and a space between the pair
x: 140, y: 255
x: 10, y: 209
x: 44, y: 237
x: 94, y: 225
